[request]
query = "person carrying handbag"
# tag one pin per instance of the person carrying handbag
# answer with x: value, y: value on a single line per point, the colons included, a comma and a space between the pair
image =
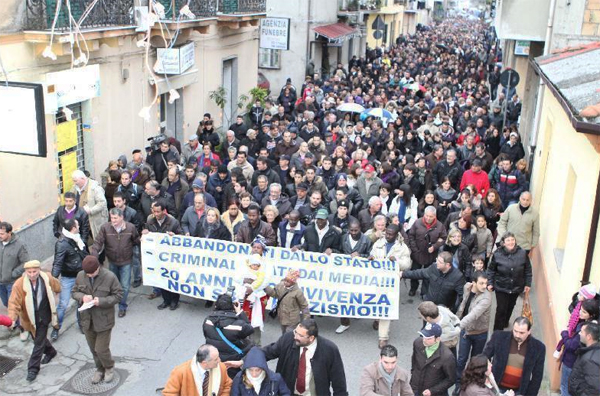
x: 292, y: 306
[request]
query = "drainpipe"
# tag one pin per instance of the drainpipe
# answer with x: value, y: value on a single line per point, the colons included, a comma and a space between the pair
x: 540, y: 93
x: 308, y: 17
x: 589, y: 254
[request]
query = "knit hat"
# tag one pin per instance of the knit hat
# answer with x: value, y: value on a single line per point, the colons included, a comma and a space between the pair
x: 90, y: 264
x: 32, y: 264
x: 293, y: 275
x: 588, y: 291
x: 254, y: 259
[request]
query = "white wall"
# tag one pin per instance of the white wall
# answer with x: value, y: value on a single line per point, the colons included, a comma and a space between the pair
x: 522, y: 19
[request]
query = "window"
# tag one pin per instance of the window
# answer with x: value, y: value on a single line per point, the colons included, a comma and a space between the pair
x: 565, y: 217
x: 76, y: 151
x: 269, y: 58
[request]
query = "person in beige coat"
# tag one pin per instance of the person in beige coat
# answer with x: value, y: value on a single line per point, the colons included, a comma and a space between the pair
x: 292, y: 306
x: 400, y: 254
x: 385, y: 377
x: 474, y: 314
x: 91, y: 198
x: 36, y: 314
x: 522, y: 220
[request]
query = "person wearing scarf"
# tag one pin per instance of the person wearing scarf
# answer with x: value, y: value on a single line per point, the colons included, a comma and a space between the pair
x: 203, y: 375
x: 384, y: 377
x: 257, y: 379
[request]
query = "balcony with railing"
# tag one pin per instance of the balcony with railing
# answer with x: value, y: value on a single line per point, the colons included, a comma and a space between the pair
x: 100, y: 15
x: 359, y: 5
x: 87, y: 14
x: 240, y: 7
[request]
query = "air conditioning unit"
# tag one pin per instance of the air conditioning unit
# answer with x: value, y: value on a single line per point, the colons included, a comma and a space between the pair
x: 141, y: 18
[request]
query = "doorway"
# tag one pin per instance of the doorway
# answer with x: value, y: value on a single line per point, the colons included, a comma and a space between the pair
x: 230, y: 83
x: 171, y: 116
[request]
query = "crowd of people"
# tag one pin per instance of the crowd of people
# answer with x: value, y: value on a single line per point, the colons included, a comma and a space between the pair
x: 437, y: 183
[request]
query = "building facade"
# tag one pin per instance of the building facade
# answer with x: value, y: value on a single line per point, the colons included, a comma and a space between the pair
x: 105, y: 79
x: 566, y: 188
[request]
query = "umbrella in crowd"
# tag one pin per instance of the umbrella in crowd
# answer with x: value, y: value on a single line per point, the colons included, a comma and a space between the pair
x: 415, y: 86
x: 378, y: 113
x: 351, y: 108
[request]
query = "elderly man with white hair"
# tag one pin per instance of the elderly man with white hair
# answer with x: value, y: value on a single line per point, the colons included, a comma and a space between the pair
x: 368, y: 214
x: 91, y: 198
x: 191, y: 149
x: 230, y: 141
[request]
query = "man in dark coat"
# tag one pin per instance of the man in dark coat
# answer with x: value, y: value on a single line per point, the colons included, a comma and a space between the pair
x: 320, y: 237
x: 229, y: 318
x: 425, y: 237
x: 585, y: 377
x: 303, y: 351
x: 517, y: 359
x: 158, y: 160
x: 101, y: 287
x: 433, y: 368
x: 445, y: 283
x: 449, y: 168
x: 154, y: 191
x: 71, y: 211
x: 69, y: 252
x: 254, y: 226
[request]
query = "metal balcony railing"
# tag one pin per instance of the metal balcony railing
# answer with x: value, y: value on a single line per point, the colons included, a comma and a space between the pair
x: 242, y: 6
x: 105, y: 13
x: 200, y: 8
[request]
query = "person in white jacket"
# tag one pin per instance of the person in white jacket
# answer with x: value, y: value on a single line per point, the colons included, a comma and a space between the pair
x: 405, y: 205
x: 391, y: 247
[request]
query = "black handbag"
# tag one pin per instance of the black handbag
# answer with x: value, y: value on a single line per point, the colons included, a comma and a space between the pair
x: 273, y: 312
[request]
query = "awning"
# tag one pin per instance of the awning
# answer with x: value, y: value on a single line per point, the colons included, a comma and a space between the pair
x: 336, y: 32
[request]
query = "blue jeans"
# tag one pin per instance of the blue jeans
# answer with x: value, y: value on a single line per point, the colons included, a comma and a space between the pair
x: 565, y: 372
x: 123, y: 274
x: 5, y: 289
x: 66, y: 285
x: 137, y: 264
x: 469, y: 345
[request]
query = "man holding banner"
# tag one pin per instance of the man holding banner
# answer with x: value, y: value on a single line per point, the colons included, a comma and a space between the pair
x: 163, y: 223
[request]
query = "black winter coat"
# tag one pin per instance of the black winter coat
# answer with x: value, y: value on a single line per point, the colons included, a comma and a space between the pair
x: 327, y: 365
x: 498, y: 348
x: 82, y: 218
x: 221, y: 233
x: 331, y: 240
x: 585, y: 377
x: 236, y: 328
x: 510, y: 272
x: 67, y: 258
x: 438, y: 373
x: 461, y: 257
x: 444, y: 289
x: 453, y: 172
x: 420, y: 239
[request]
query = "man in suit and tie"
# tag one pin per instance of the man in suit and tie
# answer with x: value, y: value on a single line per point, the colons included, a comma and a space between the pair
x: 309, y: 364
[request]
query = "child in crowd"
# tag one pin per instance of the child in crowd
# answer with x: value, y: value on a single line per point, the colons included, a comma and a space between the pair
x: 485, y: 239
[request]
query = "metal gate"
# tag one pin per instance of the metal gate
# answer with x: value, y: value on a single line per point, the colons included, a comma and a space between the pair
x: 70, y: 158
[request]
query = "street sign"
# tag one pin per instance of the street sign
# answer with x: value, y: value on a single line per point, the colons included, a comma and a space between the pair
x: 275, y: 33
x: 509, y: 78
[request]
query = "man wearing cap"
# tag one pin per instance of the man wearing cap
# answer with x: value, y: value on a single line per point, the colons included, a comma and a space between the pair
x: 101, y: 287
x: 341, y: 217
x: 33, y: 302
x: 320, y: 237
x: 368, y: 183
x: 433, y: 368
x: 217, y: 183
x: 191, y: 149
x: 198, y: 187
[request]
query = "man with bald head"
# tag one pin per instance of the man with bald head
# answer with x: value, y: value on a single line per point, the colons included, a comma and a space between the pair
x: 522, y: 220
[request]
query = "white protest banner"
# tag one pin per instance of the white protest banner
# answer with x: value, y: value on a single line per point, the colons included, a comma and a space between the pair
x: 336, y: 285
